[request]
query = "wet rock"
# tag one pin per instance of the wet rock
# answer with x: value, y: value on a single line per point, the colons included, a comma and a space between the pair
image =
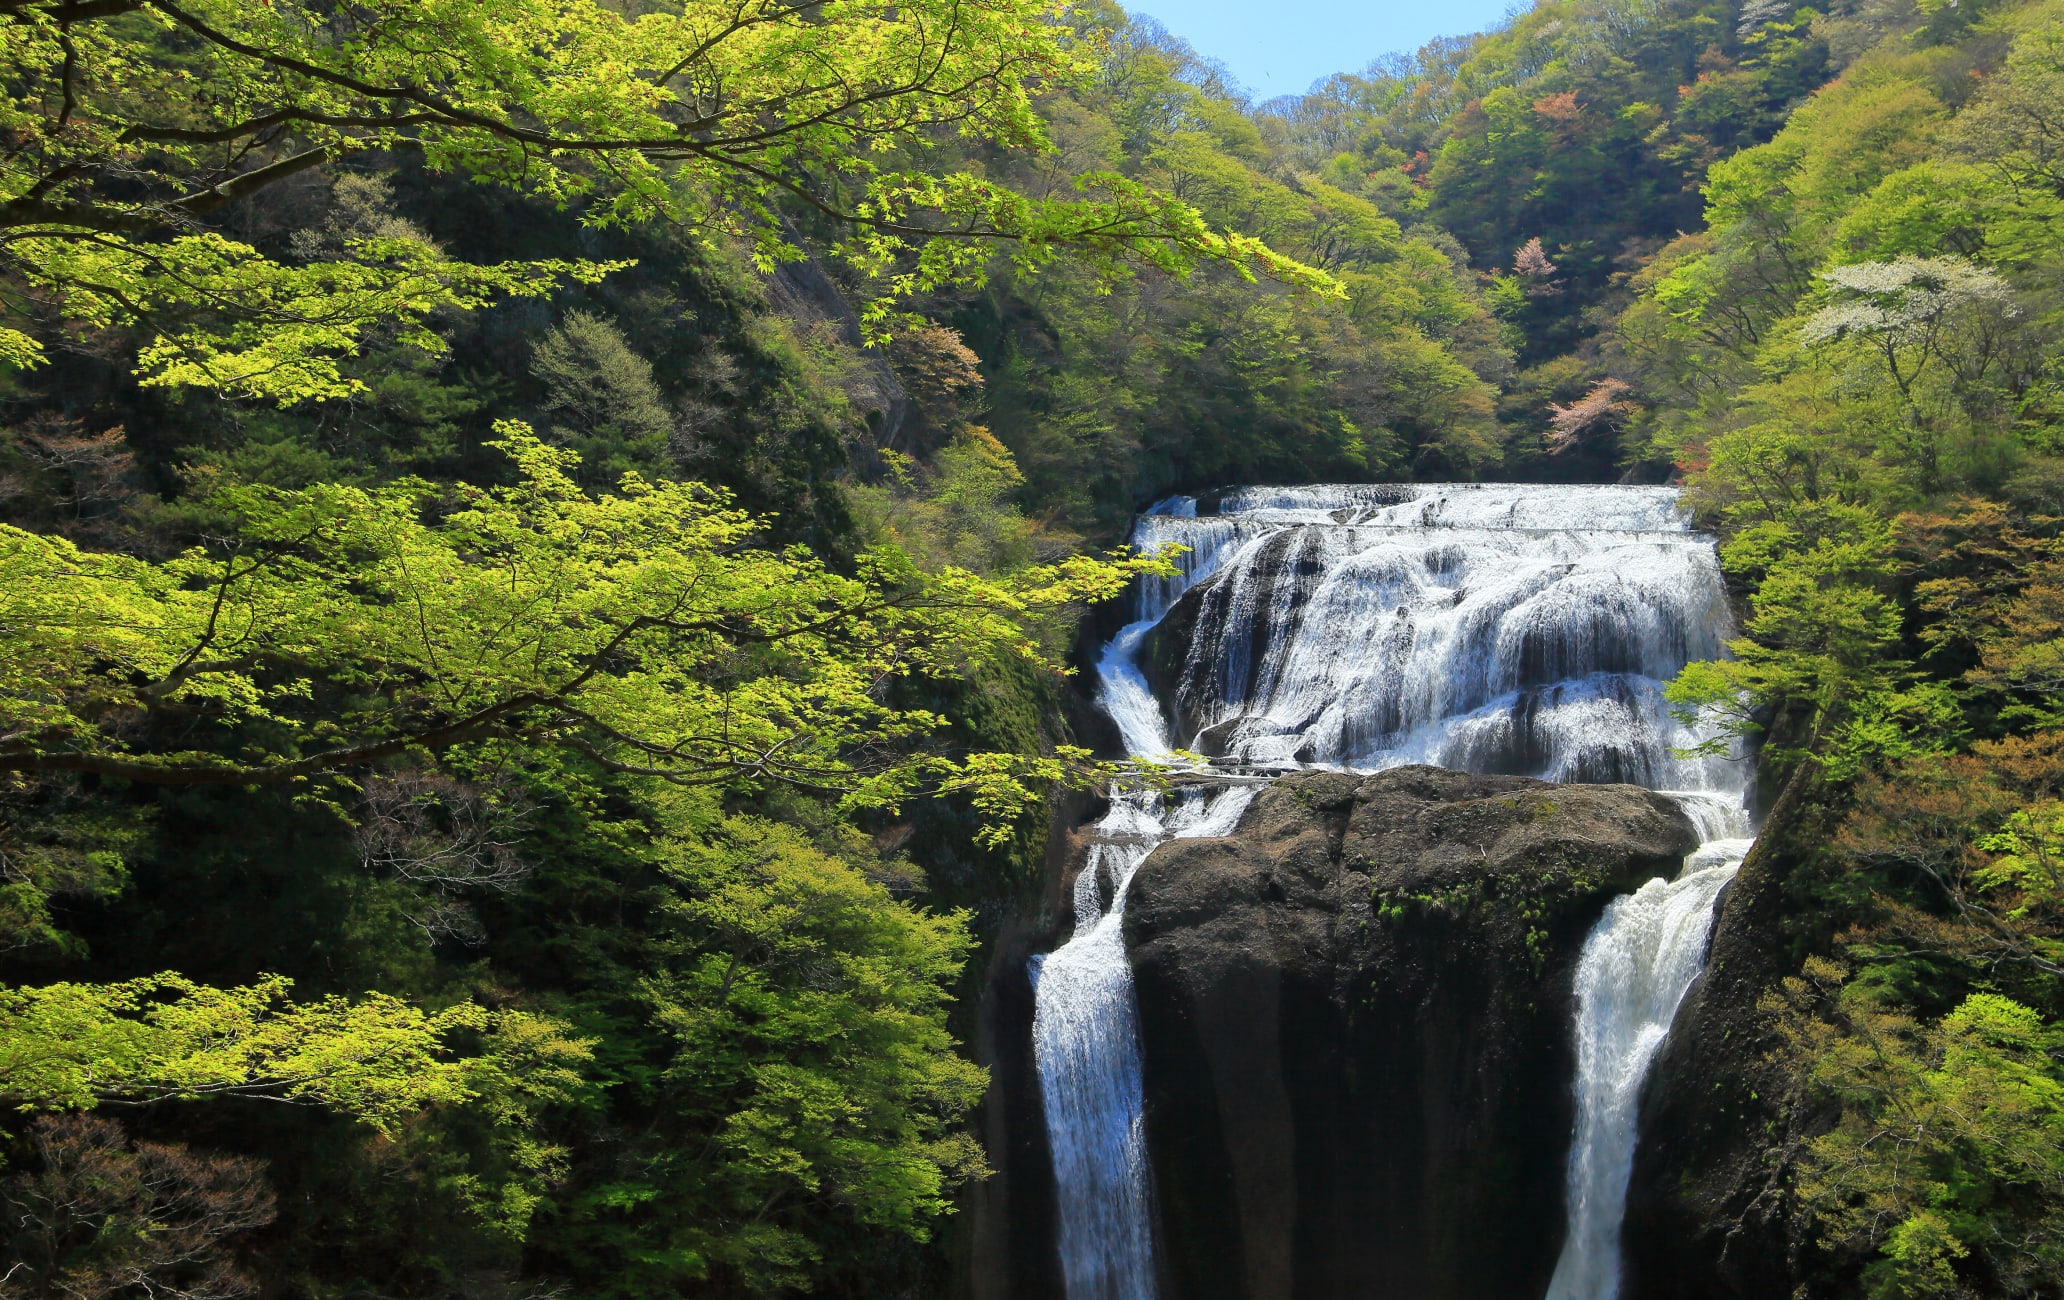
x: 1356, y: 1016
x: 1710, y: 1213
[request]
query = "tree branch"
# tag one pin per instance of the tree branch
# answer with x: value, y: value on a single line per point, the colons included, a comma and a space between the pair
x: 472, y: 727
x: 236, y: 187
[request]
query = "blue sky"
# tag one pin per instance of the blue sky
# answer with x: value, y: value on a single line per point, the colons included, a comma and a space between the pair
x: 1279, y: 47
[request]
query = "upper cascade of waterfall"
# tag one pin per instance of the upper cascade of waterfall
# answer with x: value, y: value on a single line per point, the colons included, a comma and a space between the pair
x: 1462, y: 505
x: 1503, y: 628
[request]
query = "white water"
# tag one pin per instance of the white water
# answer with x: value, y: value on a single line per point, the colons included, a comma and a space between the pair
x: 1497, y: 628
x: 1486, y: 629
x: 1085, y: 1041
x: 1640, y: 959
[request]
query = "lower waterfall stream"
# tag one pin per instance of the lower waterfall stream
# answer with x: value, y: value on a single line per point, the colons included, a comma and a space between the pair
x: 1637, y: 965
x: 1085, y: 1038
x: 1501, y: 629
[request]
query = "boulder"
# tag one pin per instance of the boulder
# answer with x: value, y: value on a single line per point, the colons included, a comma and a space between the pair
x: 1356, y: 1015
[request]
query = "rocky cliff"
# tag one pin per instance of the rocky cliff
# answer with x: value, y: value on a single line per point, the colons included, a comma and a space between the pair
x: 1710, y: 1214
x: 1356, y: 1016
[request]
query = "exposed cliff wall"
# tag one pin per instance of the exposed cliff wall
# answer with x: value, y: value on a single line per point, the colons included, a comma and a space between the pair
x: 1356, y: 1019
x: 1005, y: 1234
x: 1710, y: 1214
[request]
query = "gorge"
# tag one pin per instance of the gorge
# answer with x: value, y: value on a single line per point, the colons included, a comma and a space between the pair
x: 579, y: 716
x: 1367, y: 999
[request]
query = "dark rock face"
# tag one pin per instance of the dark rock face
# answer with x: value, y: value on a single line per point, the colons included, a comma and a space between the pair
x: 1710, y: 1214
x: 1356, y: 1016
x: 804, y: 292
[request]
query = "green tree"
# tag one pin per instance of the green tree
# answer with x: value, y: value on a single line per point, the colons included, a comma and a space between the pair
x: 1948, y: 1159
x: 75, y: 1046
x: 337, y: 628
x: 378, y: 1059
x: 614, y: 414
x: 1821, y: 627
x: 700, y: 113
x: 809, y: 1082
x: 1935, y: 328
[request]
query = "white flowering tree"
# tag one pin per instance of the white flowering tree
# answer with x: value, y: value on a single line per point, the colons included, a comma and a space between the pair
x: 1907, y: 309
x: 1936, y: 328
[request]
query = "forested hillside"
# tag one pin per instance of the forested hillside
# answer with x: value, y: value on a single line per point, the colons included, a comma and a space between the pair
x: 540, y: 543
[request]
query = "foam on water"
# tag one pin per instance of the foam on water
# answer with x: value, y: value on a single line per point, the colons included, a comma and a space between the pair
x: 1085, y: 1042
x: 1490, y: 628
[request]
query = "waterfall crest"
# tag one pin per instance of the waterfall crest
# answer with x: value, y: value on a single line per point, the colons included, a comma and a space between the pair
x: 1488, y: 629
x: 1495, y: 629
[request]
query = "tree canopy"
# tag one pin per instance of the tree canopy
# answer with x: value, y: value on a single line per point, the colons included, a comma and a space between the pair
x: 136, y: 124
x: 636, y: 629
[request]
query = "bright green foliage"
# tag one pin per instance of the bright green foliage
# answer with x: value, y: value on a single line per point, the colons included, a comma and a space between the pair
x: 75, y: 1046
x: 951, y: 499
x: 2012, y: 132
x: 1930, y: 328
x: 2026, y: 858
x: 555, y: 729
x: 263, y: 329
x: 1855, y: 365
x: 135, y: 118
x: 66, y: 847
x: 1873, y: 300
x: 1934, y: 207
x: 961, y: 512
x: 376, y: 1058
x: 1951, y: 1142
x: 977, y: 479
x: 636, y: 629
x: 1874, y: 281
x: 804, y: 1009
x: 1821, y: 624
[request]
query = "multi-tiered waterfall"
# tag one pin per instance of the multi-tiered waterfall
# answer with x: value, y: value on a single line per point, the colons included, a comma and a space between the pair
x: 1494, y: 629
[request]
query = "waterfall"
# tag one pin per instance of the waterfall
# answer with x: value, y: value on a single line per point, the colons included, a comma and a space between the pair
x: 1637, y: 963
x: 1488, y: 628
x: 1085, y: 1043
x: 1085, y: 1039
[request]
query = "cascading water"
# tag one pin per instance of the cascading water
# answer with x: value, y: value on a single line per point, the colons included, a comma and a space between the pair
x: 1486, y: 629
x: 1640, y: 959
x: 1492, y: 629
x: 1085, y: 1040
x: 1085, y: 1024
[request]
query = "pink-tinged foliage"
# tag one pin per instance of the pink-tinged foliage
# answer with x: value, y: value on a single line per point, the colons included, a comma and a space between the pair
x: 1599, y: 409
x: 1531, y: 265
